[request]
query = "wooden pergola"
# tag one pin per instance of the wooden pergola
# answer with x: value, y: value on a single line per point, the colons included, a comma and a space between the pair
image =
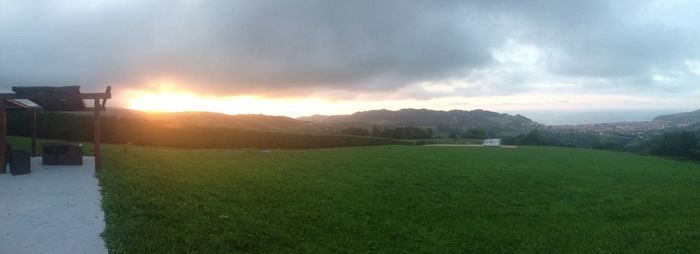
x: 46, y: 98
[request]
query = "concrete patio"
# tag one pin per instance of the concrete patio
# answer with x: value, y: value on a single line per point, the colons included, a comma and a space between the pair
x: 55, y: 209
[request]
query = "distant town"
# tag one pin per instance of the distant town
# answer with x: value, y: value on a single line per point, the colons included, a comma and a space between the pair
x: 619, y: 127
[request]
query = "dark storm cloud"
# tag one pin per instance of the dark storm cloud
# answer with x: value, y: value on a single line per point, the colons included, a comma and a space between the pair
x: 239, y: 45
x: 281, y: 46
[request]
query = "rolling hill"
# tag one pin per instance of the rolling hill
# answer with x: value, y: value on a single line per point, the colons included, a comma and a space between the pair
x: 441, y: 121
x: 685, y: 118
x: 210, y: 119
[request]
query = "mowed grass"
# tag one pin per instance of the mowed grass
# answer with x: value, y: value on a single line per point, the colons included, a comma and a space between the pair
x: 399, y: 199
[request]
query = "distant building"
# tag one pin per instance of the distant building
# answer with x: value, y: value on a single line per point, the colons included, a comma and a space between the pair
x: 494, y: 142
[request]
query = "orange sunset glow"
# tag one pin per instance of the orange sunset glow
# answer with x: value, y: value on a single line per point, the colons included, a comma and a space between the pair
x: 167, y: 97
x: 184, y: 101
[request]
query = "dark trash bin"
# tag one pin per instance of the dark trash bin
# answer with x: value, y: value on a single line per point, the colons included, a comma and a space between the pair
x: 20, y: 163
x: 62, y: 154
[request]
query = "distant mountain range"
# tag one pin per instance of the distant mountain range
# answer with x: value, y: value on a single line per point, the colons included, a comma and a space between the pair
x: 210, y: 119
x: 680, y: 119
x: 441, y: 121
x: 438, y: 121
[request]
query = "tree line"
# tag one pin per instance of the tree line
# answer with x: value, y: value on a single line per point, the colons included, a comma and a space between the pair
x: 675, y: 143
x: 407, y: 132
x: 412, y: 132
x: 138, y: 131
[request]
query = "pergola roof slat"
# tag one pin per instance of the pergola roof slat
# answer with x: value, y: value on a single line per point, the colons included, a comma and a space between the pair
x: 12, y: 103
x: 56, y: 99
x: 47, y: 98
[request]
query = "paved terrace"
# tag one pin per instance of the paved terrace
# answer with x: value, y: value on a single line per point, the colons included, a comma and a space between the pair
x: 55, y: 209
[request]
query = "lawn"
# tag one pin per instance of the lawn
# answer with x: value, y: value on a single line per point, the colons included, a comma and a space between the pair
x: 398, y: 199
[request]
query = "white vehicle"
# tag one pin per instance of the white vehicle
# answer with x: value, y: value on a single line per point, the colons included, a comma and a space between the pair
x: 493, y: 142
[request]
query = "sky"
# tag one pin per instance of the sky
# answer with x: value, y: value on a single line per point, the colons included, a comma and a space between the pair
x: 307, y: 57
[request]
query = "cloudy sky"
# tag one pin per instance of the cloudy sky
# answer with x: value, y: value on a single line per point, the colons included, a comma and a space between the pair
x: 305, y: 57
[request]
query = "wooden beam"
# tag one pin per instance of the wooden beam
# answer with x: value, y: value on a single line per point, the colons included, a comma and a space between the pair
x: 109, y: 92
x: 97, y: 137
x: 38, y: 109
x: 3, y: 136
x: 84, y: 96
x: 34, y: 133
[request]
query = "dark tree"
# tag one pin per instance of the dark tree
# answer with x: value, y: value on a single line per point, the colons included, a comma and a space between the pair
x: 677, y: 143
x: 354, y: 131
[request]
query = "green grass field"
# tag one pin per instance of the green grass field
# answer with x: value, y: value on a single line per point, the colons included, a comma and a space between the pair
x: 399, y: 199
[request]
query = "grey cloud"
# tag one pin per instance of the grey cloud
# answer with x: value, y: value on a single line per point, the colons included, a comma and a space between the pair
x: 609, y: 39
x: 231, y: 47
x: 243, y: 45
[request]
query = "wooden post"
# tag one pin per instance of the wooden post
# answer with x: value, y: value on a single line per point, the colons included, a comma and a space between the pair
x: 33, y: 132
x: 3, y: 136
x: 97, y: 106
